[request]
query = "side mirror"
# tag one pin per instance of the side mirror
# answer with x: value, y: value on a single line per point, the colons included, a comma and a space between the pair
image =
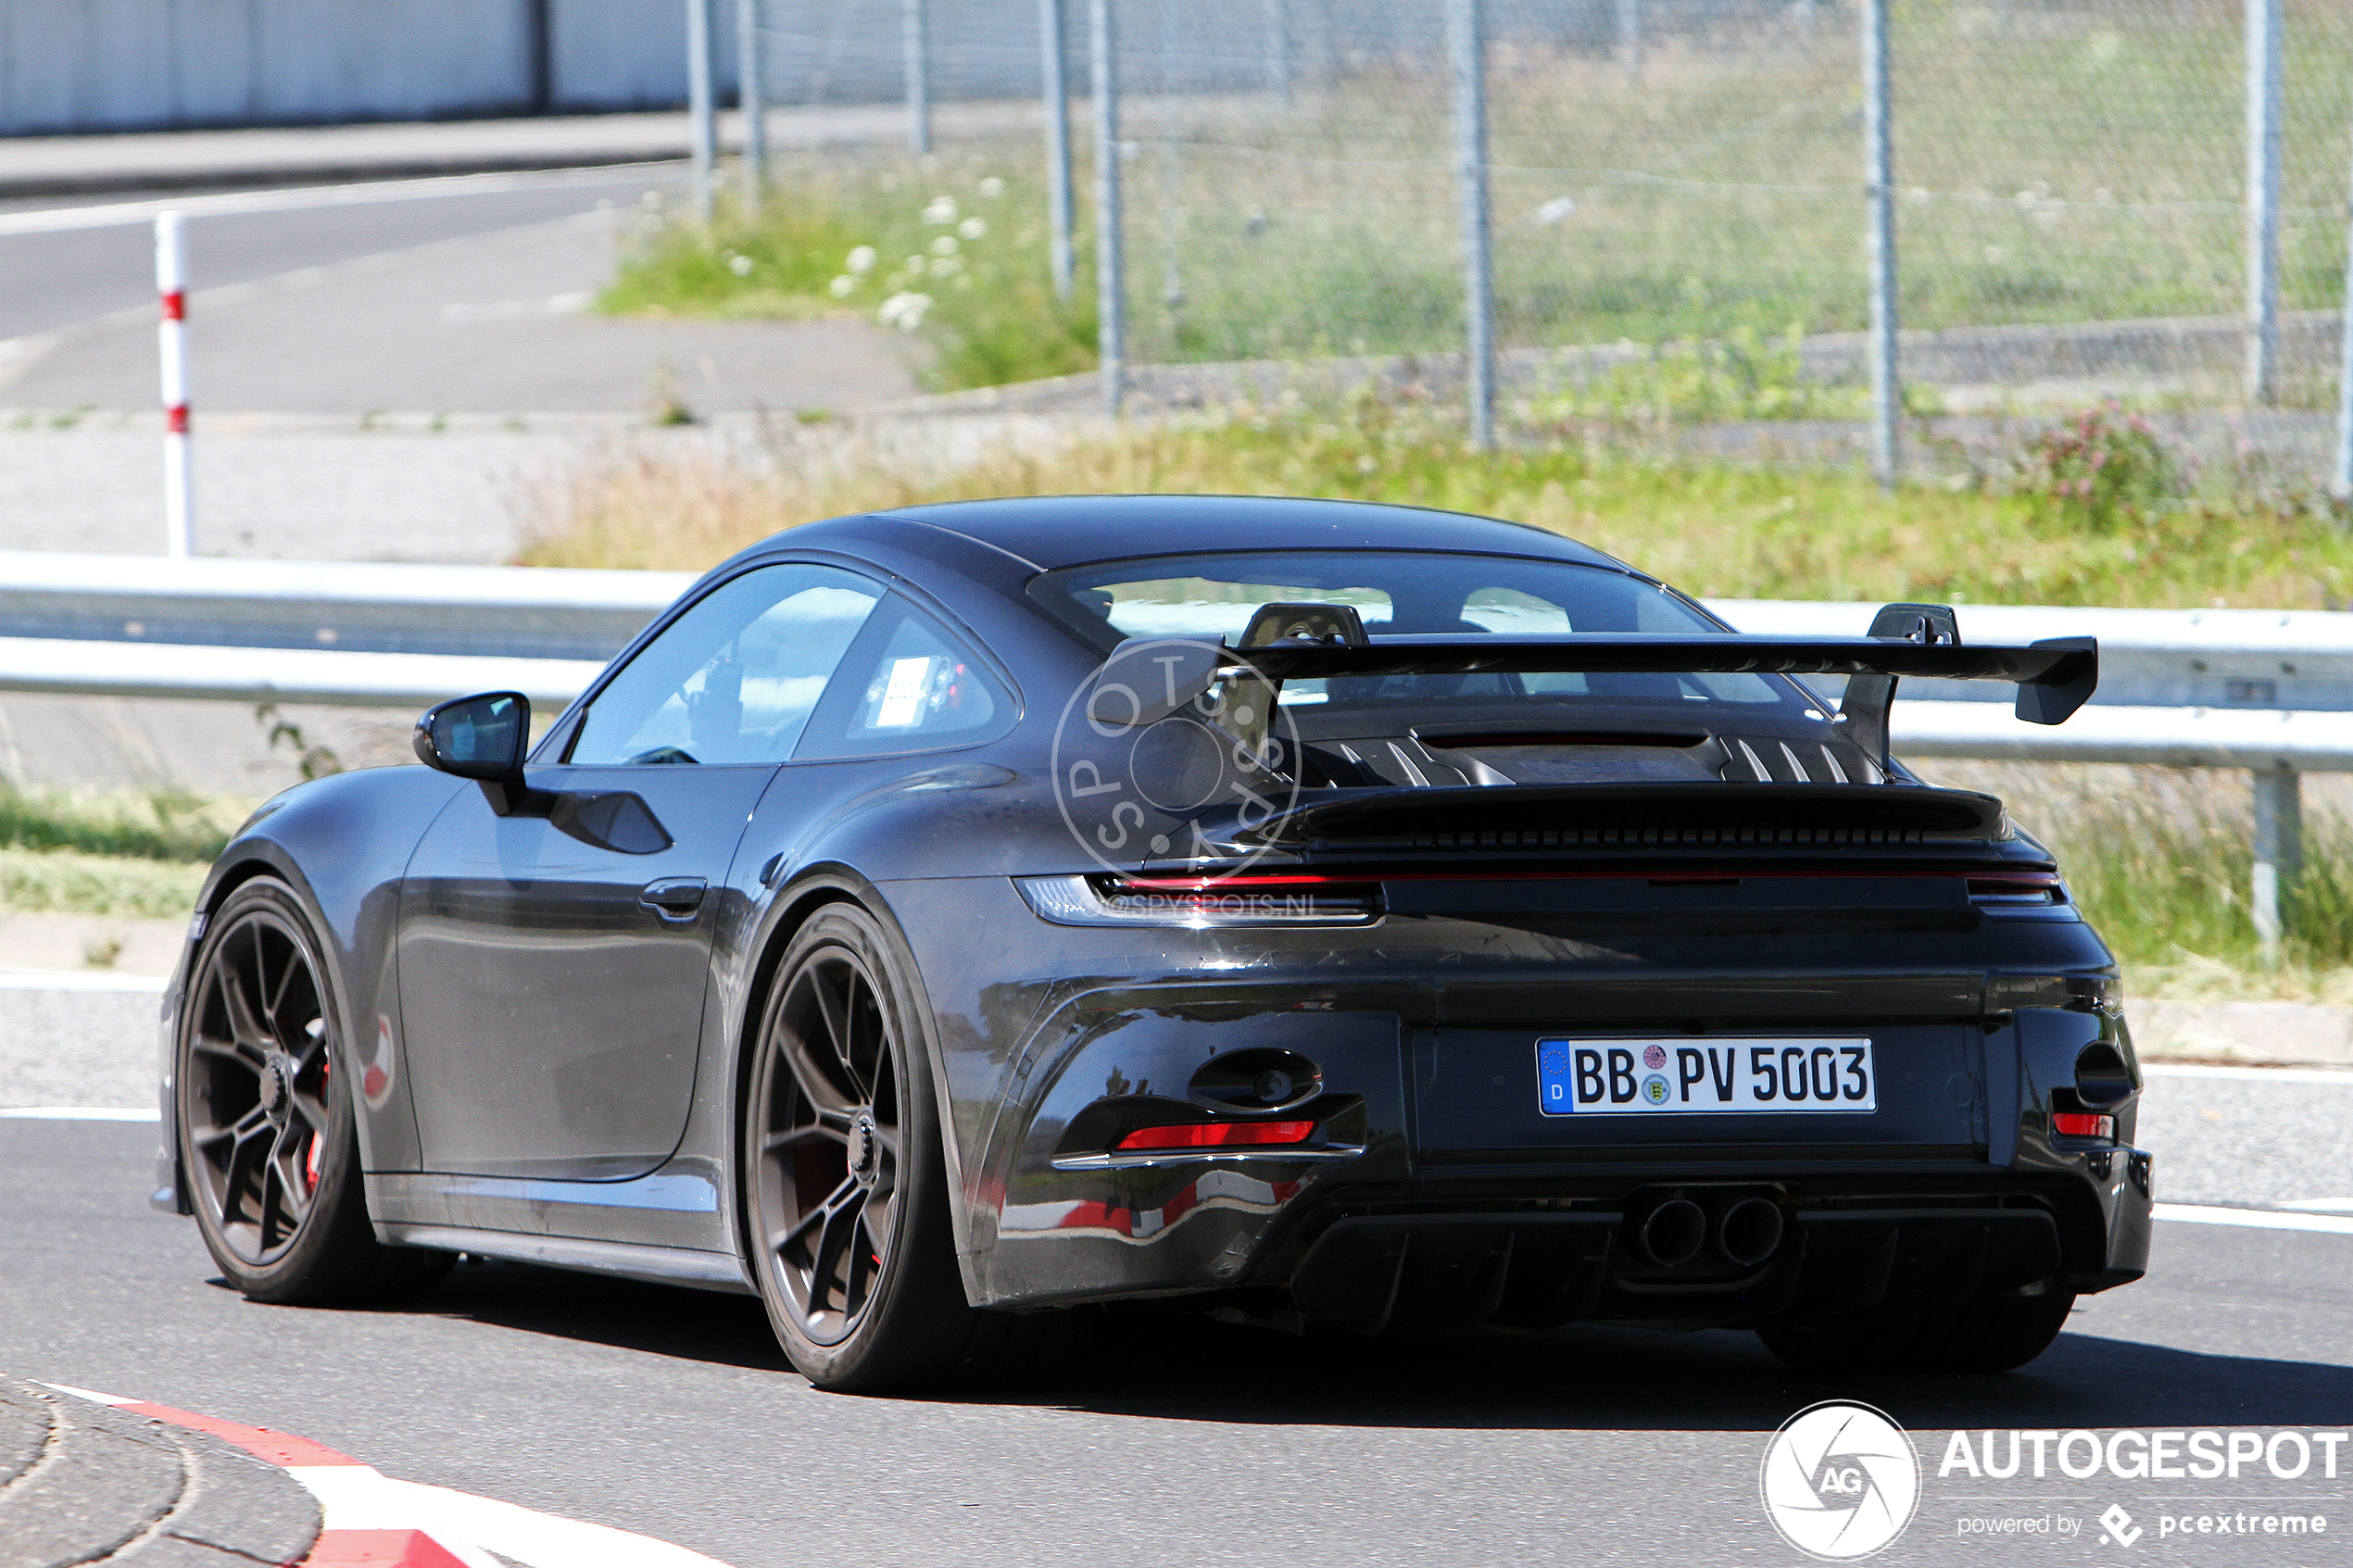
x: 482, y: 738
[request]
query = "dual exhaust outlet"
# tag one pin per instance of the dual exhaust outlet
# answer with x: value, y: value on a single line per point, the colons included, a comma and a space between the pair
x: 1743, y: 1234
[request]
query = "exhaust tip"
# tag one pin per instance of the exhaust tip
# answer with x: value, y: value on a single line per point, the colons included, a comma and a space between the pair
x: 1750, y: 1232
x: 1673, y: 1234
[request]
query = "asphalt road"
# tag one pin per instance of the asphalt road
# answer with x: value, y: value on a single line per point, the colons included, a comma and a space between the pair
x: 465, y: 298
x: 670, y: 1412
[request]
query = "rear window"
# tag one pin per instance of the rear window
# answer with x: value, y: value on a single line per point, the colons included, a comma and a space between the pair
x: 1399, y: 592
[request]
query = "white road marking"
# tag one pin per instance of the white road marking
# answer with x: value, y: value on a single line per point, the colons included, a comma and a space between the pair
x: 2339, y: 1076
x: 112, y: 215
x: 2321, y: 1205
x: 78, y: 1114
x: 2256, y: 1219
x: 78, y: 979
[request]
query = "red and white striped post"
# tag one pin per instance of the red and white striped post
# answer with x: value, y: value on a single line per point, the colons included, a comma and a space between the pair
x: 171, y: 342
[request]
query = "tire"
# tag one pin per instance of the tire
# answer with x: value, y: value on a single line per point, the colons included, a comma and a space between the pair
x: 269, y: 1142
x: 1999, y: 1334
x: 844, y: 1177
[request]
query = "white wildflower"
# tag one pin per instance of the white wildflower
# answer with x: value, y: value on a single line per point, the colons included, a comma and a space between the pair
x: 973, y: 228
x: 944, y: 246
x: 740, y: 265
x: 905, y: 311
x: 941, y: 212
x: 861, y: 261
x: 992, y: 187
x: 841, y: 287
x: 946, y: 267
x: 1554, y: 211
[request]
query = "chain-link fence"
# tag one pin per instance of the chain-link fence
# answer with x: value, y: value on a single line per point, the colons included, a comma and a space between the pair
x: 1658, y: 213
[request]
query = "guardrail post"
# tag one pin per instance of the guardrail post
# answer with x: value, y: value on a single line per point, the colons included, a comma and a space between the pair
x: 1110, y: 274
x: 1466, y: 34
x: 2279, y: 855
x: 2262, y: 198
x: 1879, y: 180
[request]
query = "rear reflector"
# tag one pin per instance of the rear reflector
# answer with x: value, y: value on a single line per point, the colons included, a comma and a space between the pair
x: 2082, y: 1124
x: 1216, y: 1134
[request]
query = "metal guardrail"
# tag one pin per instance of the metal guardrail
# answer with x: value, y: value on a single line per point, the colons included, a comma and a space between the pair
x: 2268, y: 691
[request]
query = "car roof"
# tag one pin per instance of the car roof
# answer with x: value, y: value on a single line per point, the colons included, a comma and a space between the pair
x: 1053, y: 532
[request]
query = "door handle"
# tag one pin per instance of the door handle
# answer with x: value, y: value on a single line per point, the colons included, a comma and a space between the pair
x: 674, y: 897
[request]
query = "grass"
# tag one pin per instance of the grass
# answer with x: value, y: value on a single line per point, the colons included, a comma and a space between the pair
x: 127, y: 853
x: 2069, y: 164
x: 158, y: 825
x: 69, y: 881
x: 2160, y: 859
x: 953, y: 259
x: 1720, y: 530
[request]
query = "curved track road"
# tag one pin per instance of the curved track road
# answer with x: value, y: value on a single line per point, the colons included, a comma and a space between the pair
x: 671, y: 1413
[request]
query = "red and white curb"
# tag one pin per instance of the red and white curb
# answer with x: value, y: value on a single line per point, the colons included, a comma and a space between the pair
x: 373, y: 1520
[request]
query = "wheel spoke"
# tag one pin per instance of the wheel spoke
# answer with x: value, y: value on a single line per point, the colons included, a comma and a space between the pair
x: 857, y: 1043
x: 840, y: 1230
x: 244, y: 1025
x: 809, y: 1132
x: 831, y: 1006
x: 227, y: 1051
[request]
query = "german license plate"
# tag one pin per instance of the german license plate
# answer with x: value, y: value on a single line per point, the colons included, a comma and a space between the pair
x: 1668, y: 1077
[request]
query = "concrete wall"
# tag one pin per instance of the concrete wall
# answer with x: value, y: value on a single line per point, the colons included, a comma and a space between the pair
x: 69, y: 66
x: 72, y: 65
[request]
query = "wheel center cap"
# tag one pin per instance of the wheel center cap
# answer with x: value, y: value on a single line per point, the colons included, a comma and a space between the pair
x: 273, y: 1088
x: 864, y: 1150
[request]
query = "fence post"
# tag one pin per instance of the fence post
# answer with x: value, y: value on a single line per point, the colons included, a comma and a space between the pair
x: 171, y: 346
x: 2345, y: 378
x: 1278, y: 48
x: 1111, y: 277
x: 1630, y: 36
x: 702, y: 106
x: 1054, y: 90
x: 2279, y: 854
x: 915, y: 28
x: 1879, y: 180
x: 752, y: 95
x: 2262, y: 198
x: 1467, y: 42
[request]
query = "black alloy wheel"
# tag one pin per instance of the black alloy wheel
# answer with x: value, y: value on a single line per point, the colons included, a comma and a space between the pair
x: 830, y: 1146
x: 255, y: 1085
x: 268, y: 1146
x: 846, y: 1194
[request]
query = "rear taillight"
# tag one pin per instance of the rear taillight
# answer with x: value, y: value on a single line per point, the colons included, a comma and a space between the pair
x: 1216, y: 1134
x: 2017, y: 887
x: 2082, y: 1124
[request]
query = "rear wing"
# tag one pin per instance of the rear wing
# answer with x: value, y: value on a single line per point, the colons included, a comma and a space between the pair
x: 1143, y: 683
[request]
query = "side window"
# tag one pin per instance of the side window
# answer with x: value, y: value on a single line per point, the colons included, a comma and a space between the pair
x: 908, y: 684
x: 735, y: 678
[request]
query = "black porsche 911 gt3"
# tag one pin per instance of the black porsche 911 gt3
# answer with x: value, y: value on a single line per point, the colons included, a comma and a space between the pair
x: 1314, y: 912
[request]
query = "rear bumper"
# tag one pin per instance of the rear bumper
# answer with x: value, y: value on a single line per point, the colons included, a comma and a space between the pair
x: 1835, y: 1257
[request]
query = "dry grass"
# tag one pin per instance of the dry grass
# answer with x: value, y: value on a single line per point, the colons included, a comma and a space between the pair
x: 1717, y: 528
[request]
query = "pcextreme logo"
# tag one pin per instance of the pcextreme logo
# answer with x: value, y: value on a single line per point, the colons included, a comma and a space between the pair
x: 1840, y: 1480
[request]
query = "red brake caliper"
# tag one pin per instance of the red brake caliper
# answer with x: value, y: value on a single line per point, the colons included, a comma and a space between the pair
x: 310, y: 1155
